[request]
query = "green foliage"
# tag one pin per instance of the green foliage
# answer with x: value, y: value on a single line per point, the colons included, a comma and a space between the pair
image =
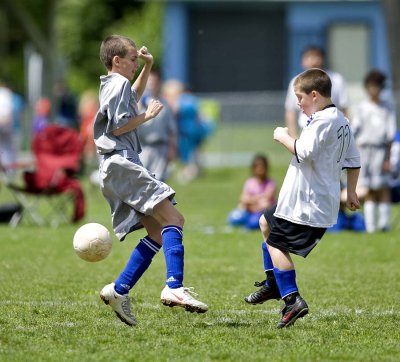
x: 83, y: 24
x: 144, y: 26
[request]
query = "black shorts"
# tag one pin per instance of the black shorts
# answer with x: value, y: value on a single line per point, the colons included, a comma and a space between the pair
x: 290, y: 237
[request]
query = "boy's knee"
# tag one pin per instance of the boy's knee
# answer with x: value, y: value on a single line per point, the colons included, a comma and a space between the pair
x: 176, y: 219
x: 263, y: 225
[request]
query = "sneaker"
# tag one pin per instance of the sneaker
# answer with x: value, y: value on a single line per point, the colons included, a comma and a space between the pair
x: 292, y: 312
x: 120, y: 304
x: 182, y: 297
x: 263, y: 294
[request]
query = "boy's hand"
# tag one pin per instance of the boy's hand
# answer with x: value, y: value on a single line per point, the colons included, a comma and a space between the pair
x: 352, y: 202
x: 280, y: 133
x: 153, y: 109
x: 144, y: 54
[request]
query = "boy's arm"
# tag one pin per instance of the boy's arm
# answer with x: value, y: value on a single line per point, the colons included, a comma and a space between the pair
x: 352, y: 202
x: 152, y: 110
x: 291, y: 122
x: 281, y: 134
x: 139, y: 85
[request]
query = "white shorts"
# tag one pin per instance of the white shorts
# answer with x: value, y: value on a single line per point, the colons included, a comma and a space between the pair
x: 372, y: 175
x: 131, y: 190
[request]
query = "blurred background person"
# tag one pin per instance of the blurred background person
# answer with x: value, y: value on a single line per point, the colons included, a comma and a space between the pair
x: 193, y: 128
x: 258, y: 194
x: 42, y: 113
x: 87, y: 109
x: 66, y: 112
x: 7, y: 146
x: 313, y: 57
x: 158, y: 136
x: 374, y: 127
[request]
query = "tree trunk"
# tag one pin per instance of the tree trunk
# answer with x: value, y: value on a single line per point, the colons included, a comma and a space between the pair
x: 392, y: 15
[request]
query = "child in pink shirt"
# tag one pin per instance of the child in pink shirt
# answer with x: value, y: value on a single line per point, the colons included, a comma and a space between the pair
x: 259, y: 193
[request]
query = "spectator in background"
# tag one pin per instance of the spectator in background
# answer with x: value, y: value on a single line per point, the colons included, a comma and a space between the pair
x: 158, y: 136
x: 66, y: 111
x: 192, y: 128
x: 374, y: 127
x: 41, y: 117
x: 7, y: 147
x: 87, y: 109
x: 258, y: 194
x: 314, y: 57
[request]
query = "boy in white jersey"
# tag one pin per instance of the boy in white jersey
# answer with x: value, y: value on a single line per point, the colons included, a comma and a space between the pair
x: 374, y: 127
x: 137, y: 199
x: 309, y: 199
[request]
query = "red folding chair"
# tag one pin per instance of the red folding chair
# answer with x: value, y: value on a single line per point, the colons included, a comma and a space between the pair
x: 57, y: 151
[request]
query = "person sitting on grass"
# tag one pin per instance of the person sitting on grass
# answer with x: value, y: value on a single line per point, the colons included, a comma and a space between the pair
x: 257, y: 195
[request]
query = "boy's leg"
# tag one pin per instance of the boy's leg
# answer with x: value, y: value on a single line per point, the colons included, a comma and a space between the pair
x: 285, y: 274
x: 174, y: 293
x: 384, y: 209
x: 370, y: 210
x: 269, y: 289
x: 116, y: 294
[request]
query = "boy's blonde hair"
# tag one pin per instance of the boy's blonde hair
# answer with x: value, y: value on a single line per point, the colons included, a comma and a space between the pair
x: 114, y: 45
x: 314, y: 79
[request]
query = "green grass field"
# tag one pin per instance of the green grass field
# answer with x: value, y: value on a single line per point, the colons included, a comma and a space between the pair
x: 50, y: 309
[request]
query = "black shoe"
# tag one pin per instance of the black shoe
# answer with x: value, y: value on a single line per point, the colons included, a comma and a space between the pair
x: 293, y: 311
x: 263, y: 294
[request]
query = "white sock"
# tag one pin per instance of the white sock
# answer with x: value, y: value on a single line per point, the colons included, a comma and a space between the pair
x: 370, y: 209
x: 384, y: 215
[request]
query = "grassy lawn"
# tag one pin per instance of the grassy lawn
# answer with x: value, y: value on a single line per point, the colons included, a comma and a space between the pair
x: 50, y: 309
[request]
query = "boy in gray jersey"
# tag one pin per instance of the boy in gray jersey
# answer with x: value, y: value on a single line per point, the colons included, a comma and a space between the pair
x: 137, y: 199
x: 309, y: 199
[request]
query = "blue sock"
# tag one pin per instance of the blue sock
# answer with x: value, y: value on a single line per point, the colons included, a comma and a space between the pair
x: 138, y: 263
x: 173, y: 252
x: 266, y: 257
x: 286, y: 280
x: 268, y: 266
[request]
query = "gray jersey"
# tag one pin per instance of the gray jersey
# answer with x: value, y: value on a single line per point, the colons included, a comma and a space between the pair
x: 160, y: 129
x: 118, y: 104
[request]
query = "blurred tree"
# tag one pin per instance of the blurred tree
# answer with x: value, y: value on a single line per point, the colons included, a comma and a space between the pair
x: 68, y: 33
x: 79, y: 41
x: 392, y: 13
x: 28, y: 21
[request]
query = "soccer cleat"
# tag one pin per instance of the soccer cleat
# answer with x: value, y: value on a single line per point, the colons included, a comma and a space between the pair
x: 182, y: 297
x: 265, y: 293
x: 292, y: 312
x: 120, y: 304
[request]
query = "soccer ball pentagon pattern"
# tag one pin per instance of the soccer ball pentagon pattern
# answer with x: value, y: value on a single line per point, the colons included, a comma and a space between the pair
x: 92, y: 242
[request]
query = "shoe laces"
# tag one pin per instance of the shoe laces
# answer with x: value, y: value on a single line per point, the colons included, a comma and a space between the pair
x: 189, y: 291
x: 126, y: 305
x: 260, y: 284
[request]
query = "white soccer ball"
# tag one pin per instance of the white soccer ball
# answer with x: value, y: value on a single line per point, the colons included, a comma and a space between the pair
x: 92, y: 242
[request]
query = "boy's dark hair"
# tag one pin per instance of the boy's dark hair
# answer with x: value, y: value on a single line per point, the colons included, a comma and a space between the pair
x: 314, y: 79
x: 114, y: 45
x: 375, y: 77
